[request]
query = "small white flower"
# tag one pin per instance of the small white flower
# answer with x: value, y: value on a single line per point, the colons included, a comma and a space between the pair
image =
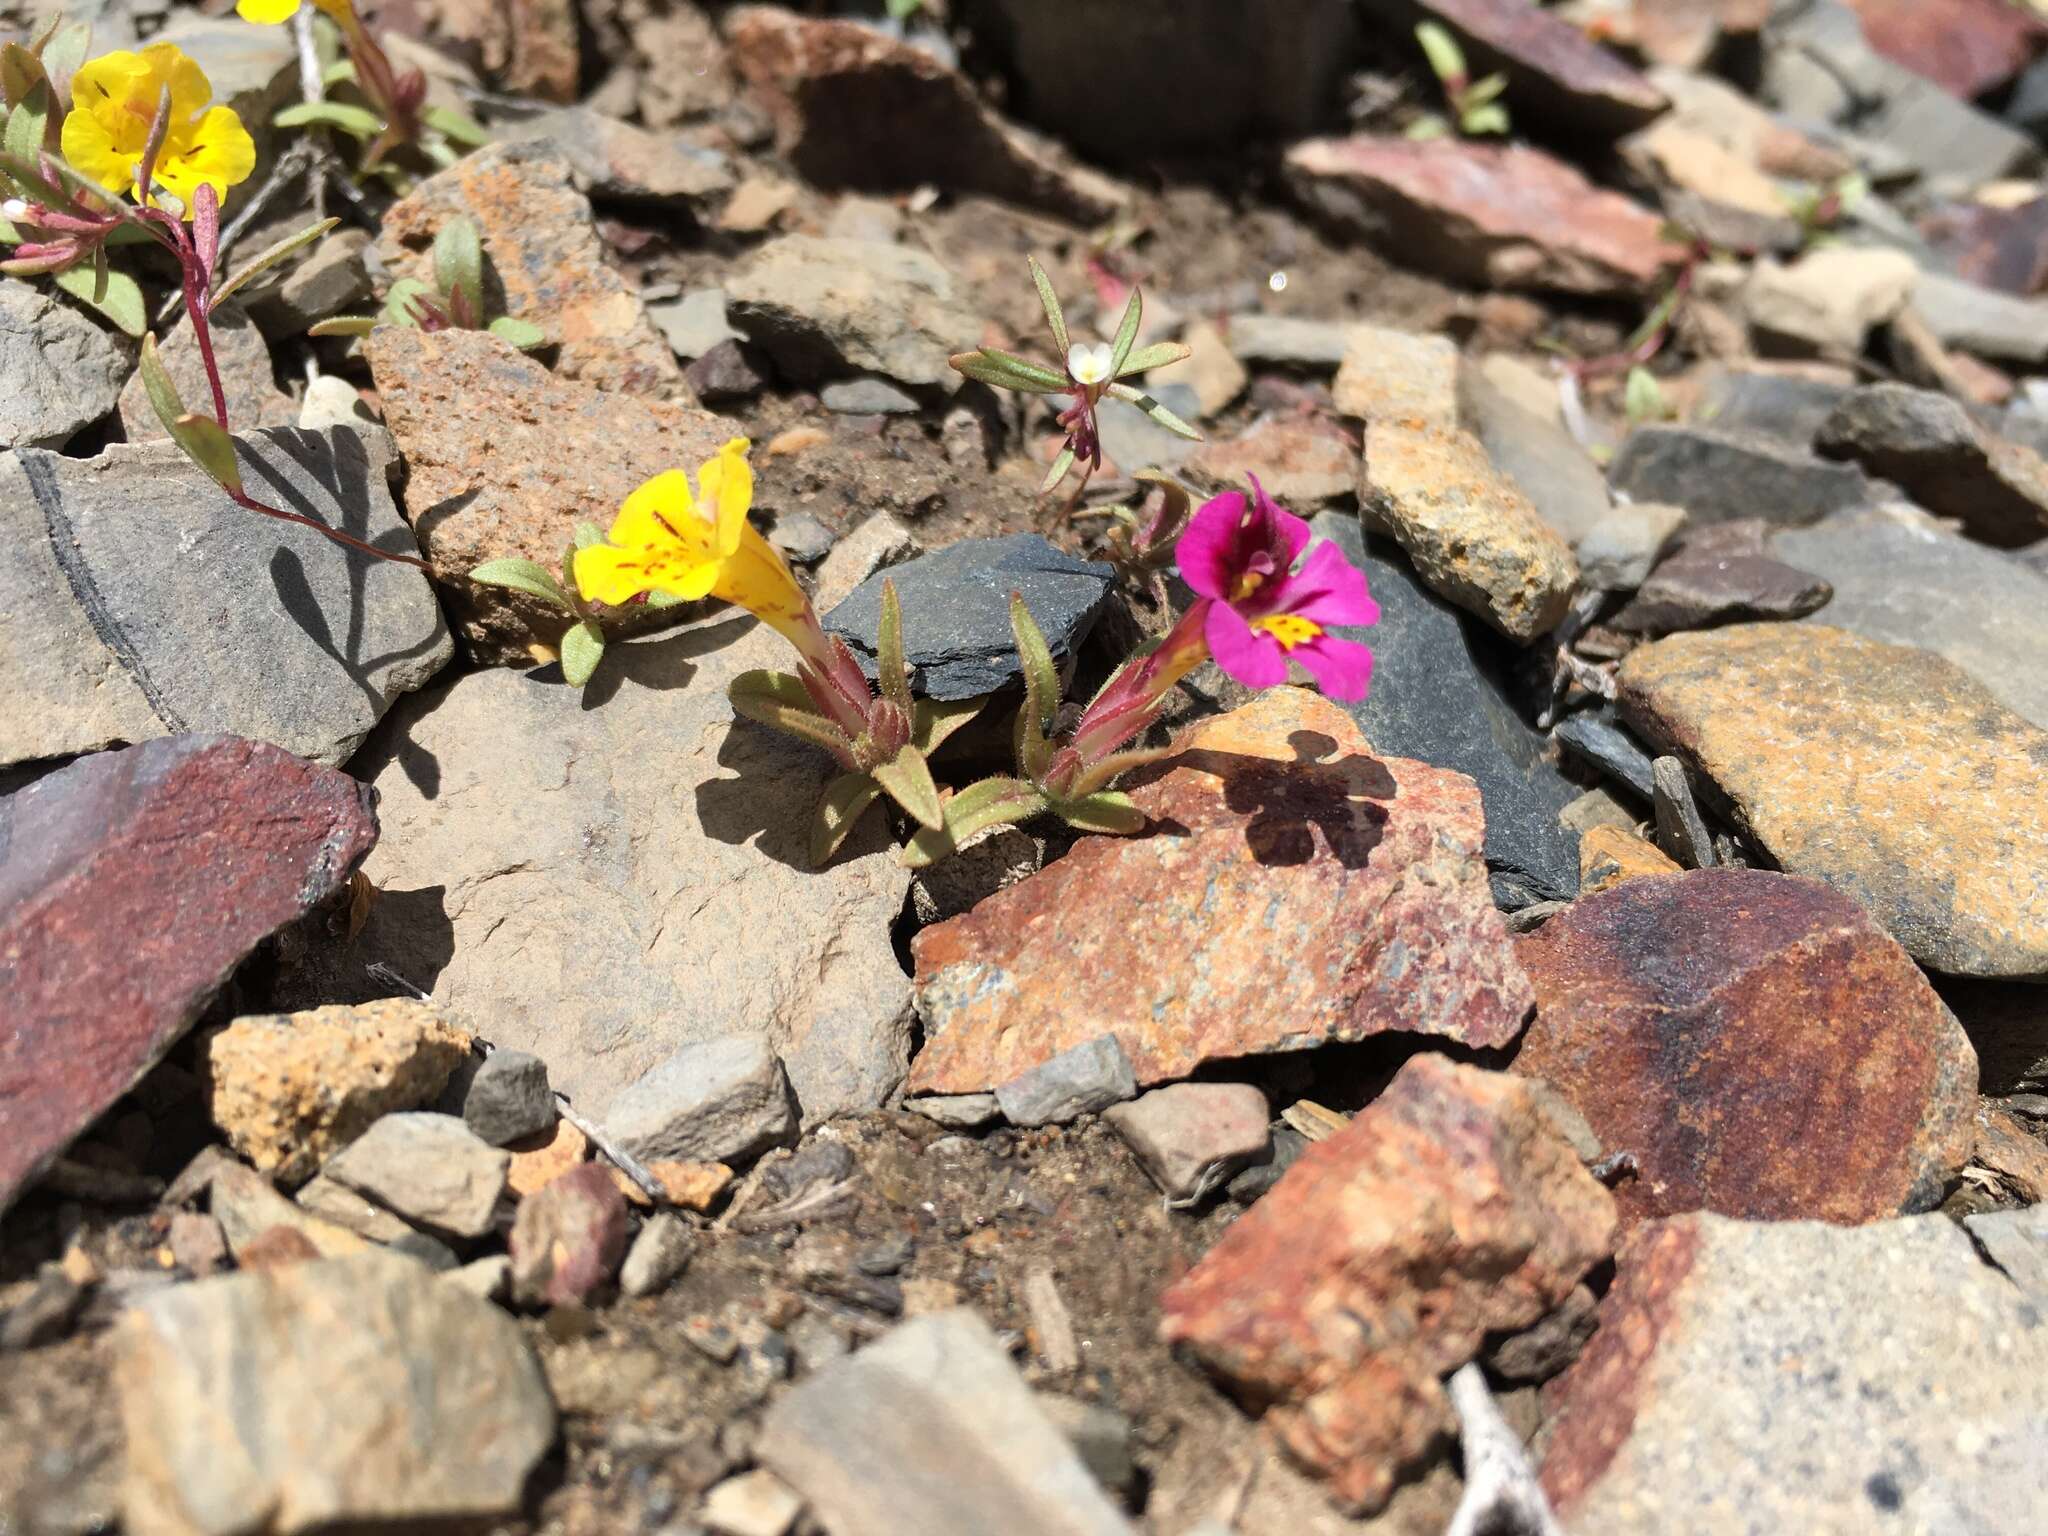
x: 14, y: 209
x: 1088, y: 364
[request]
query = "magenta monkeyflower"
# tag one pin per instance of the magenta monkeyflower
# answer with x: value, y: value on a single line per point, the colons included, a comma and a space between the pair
x: 1239, y: 553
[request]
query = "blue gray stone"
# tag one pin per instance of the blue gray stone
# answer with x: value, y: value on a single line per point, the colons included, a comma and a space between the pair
x: 1134, y: 441
x: 1077, y: 1082
x: 1437, y: 695
x: 1598, y: 736
x: 956, y: 611
x: 1721, y: 476
x: 1780, y: 406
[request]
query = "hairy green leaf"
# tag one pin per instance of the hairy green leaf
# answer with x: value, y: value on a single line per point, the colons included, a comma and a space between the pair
x: 459, y: 262
x: 20, y: 72
x: 343, y: 325
x: 457, y: 127
x: 62, y: 53
x: 933, y: 721
x: 1041, y: 688
x: 1160, y: 354
x: 528, y: 576
x: 847, y: 799
x: 588, y: 535
x: 1127, y: 332
x: 1059, y: 469
x: 523, y: 334
x: 357, y: 122
x: 1643, y: 397
x: 209, y: 447
x: 582, y: 650
x: 769, y: 688
x: 120, y: 300
x: 1491, y: 118
x: 891, y: 675
x: 341, y: 72
x: 1480, y: 92
x: 989, y: 803
x: 1155, y: 410
x: 908, y: 779
x: 1005, y: 371
x: 1446, y: 58
x: 1051, y: 301
x: 1118, y: 762
x: 271, y: 255
x: 157, y: 384
x: 1104, y: 811
x: 28, y: 122
x: 398, y: 302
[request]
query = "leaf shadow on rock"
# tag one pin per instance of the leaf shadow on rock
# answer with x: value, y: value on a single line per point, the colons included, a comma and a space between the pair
x: 302, y: 604
x: 1345, y: 798
x: 660, y: 664
x: 773, y: 799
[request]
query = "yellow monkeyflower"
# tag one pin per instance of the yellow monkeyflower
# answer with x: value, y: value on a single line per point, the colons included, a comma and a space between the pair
x: 268, y: 13
x: 667, y: 540
x: 113, y: 103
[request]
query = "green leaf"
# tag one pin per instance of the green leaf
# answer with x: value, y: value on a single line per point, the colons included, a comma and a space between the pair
x: 121, y: 301
x: 1059, y: 469
x: 20, y: 72
x: 1487, y: 119
x: 762, y: 697
x: 209, y: 447
x: 340, y: 72
x: 1446, y: 58
x: 1105, y: 811
x: 157, y: 384
x: 1006, y: 371
x: 344, y: 325
x: 1160, y: 354
x: 457, y: 127
x: 847, y: 799
x: 358, y: 122
x: 588, y: 535
x: 1643, y: 397
x: 459, y: 262
x: 398, y: 302
x: 988, y: 803
x: 908, y: 779
x: 1053, y: 315
x: 62, y: 54
x: 891, y: 675
x: 1480, y: 92
x: 1041, y: 688
x: 1155, y: 410
x: 528, y: 576
x: 271, y: 255
x: 1118, y: 762
x: 28, y: 122
x: 582, y: 650
x: 1127, y: 332
x: 932, y: 721
x: 523, y: 334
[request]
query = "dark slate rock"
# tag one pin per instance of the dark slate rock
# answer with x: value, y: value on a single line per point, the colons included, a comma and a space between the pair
x: 1945, y: 461
x: 2027, y: 108
x: 508, y: 1098
x: 1720, y: 575
x: 956, y: 610
x: 1598, y: 736
x: 1719, y: 476
x: 1900, y: 578
x: 724, y: 375
x: 1436, y: 695
x: 1782, y: 407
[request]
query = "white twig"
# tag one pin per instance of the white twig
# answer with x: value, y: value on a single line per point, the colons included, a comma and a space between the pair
x: 1502, y: 1496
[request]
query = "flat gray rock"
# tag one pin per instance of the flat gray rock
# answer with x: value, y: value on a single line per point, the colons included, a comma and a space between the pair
x: 1752, y: 1377
x: 142, y: 602
x: 2016, y: 1242
x: 357, y: 1393
x: 59, y: 370
x: 1558, y: 476
x: 1191, y: 1137
x: 956, y: 611
x: 1899, y: 577
x: 1079, y: 1081
x: 1780, y: 406
x: 723, y: 1100
x: 1943, y: 459
x: 1436, y: 696
x: 604, y: 876
x: 1720, y: 476
x: 822, y: 308
x: 1132, y: 441
x: 509, y: 1098
x: 694, y: 323
x: 430, y: 1169
x: 930, y: 1431
x: 1982, y: 321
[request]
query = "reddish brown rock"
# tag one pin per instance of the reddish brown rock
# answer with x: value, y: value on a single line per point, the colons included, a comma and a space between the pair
x: 1558, y: 78
x: 1489, y: 215
x: 504, y: 459
x: 1293, y: 889
x: 544, y: 263
x: 1966, y: 47
x: 1448, y: 1209
x: 1760, y: 1045
x: 132, y: 883
x: 1681, y: 33
x: 1298, y: 460
x: 1993, y: 247
x: 568, y: 1239
x: 854, y: 107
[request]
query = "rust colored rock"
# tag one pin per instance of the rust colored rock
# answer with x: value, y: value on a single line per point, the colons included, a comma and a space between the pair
x: 1488, y: 215
x: 1610, y: 855
x: 1447, y: 1210
x: 132, y: 883
x: 1886, y: 771
x: 504, y: 459
x: 1762, y: 1047
x: 1966, y: 47
x: 1299, y: 462
x: 544, y: 263
x: 854, y: 107
x: 1993, y: 247
x: 1558, y: 79
x: 1293, y: 889
x: 568, y: 1239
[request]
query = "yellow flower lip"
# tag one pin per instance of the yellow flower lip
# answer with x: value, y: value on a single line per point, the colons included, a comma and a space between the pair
x: 114, y: 105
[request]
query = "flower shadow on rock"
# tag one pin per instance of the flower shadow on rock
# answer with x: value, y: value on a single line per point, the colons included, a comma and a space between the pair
x: 660, y: 664
x: 1288, y: 803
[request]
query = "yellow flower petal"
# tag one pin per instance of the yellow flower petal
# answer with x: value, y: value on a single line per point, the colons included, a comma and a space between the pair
x: 725, y: 489
x: 756, y: 578
x: 267, y: 13
x: 608, y: 575
x: 112, y: 77
x: 217, y: 149
x: 662, y: 515
x: 169, y: 65
x: 89, y: 149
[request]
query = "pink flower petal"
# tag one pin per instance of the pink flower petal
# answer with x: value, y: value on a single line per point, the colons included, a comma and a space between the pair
x: 1254, y: 659
x: 1328, y: 590
x: 1207, y: 552
x: 1276, y: 528
x: 1341, y: 668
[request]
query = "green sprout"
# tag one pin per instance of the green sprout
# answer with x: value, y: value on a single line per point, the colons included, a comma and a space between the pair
x: 453, y: 301
x: 1475, y: 104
